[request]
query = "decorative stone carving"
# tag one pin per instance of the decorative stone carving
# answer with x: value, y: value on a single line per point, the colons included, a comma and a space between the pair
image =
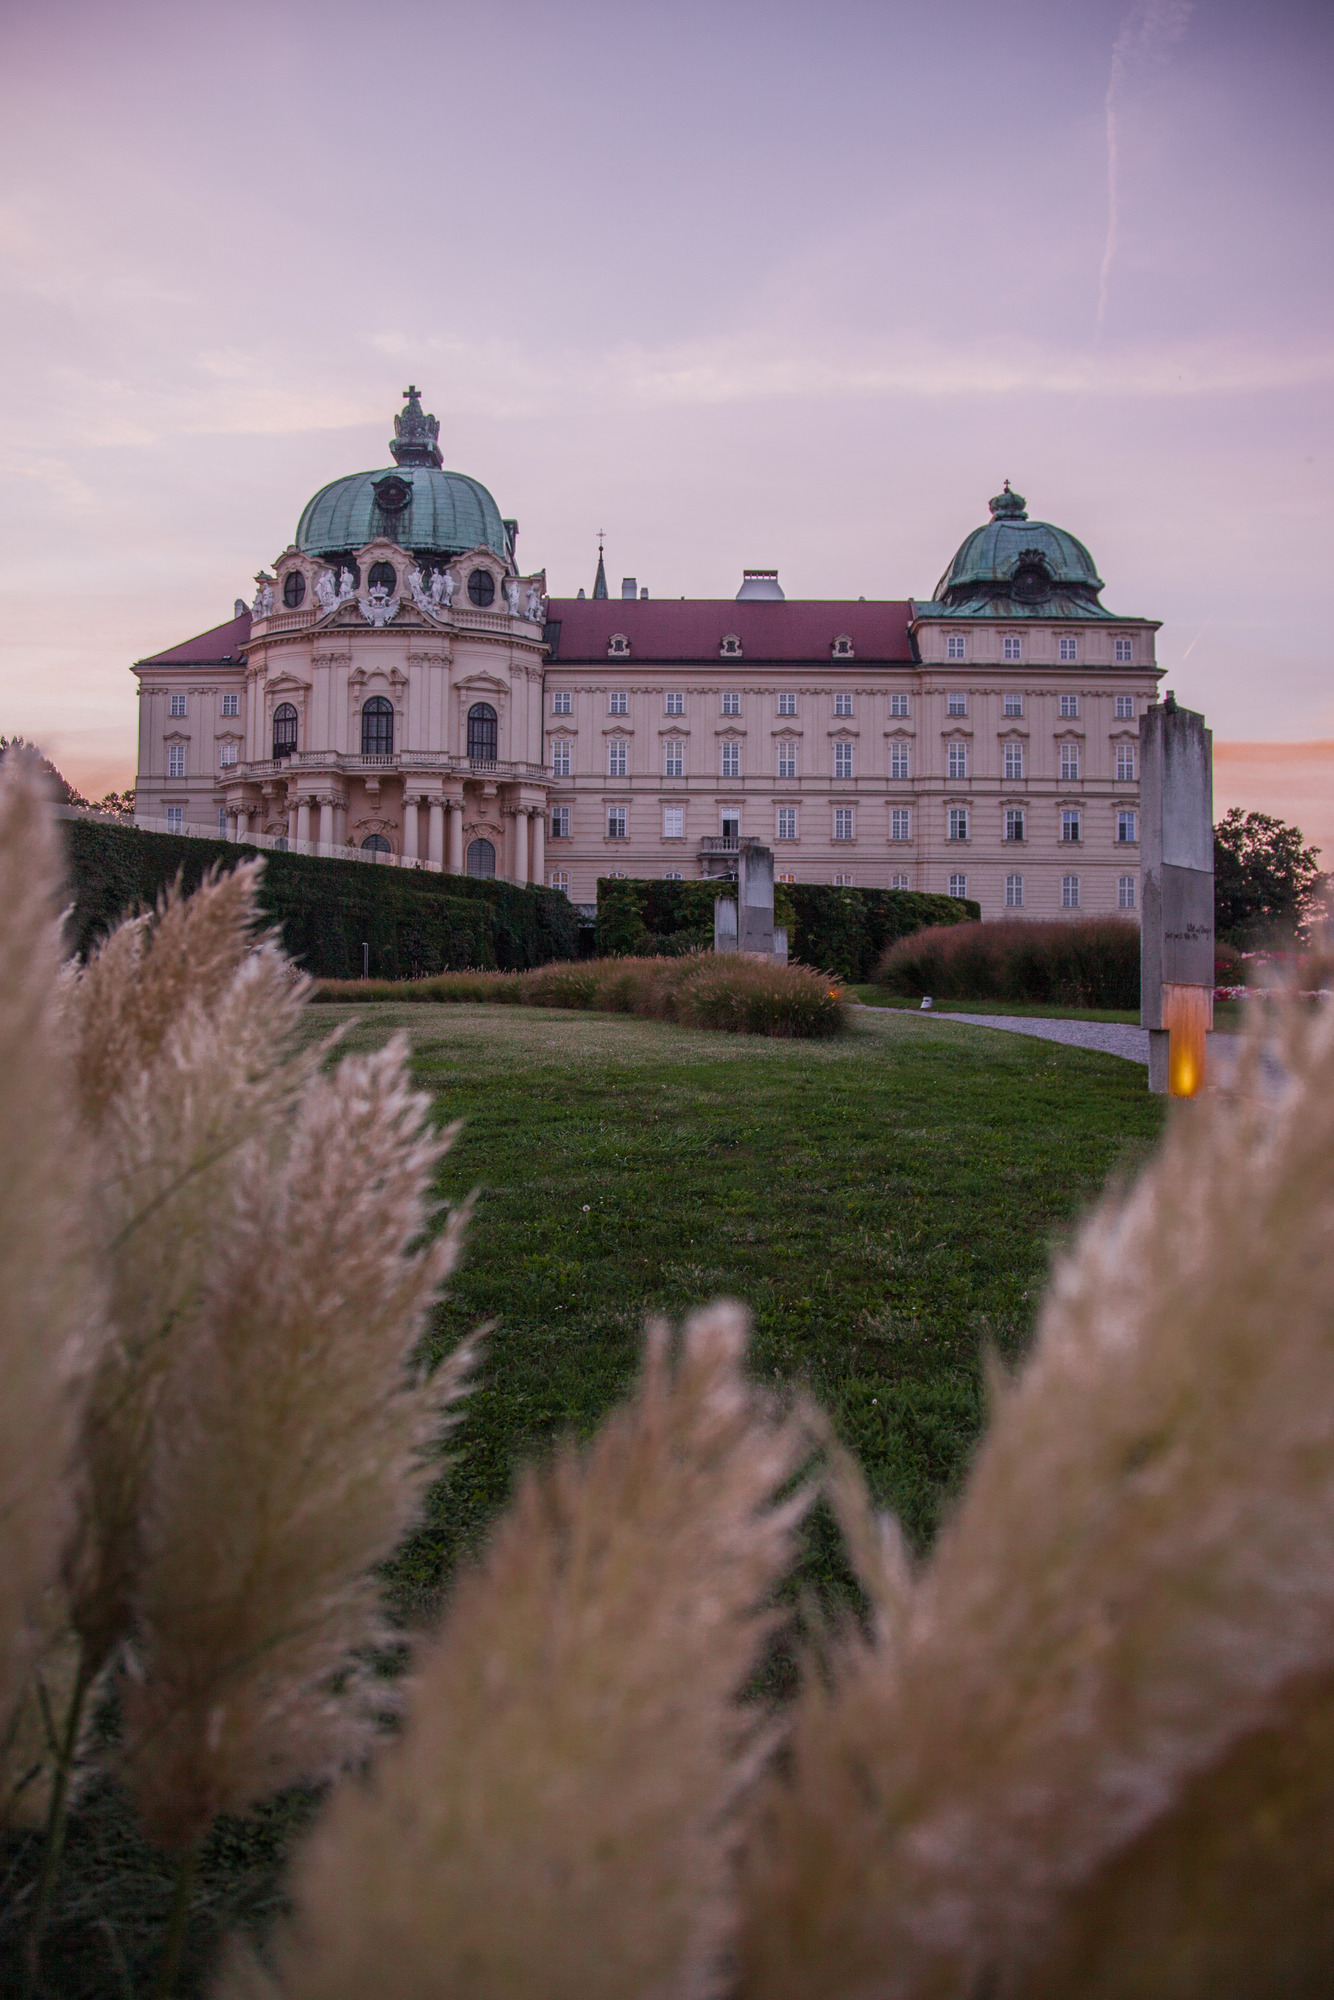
x: 326, y: 592
x: 533, y: 608
x: 512, y: 596
x: 263, y: 604
x: 377, y: 606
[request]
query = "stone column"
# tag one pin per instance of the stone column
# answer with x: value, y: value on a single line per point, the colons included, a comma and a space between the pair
x: 303, y: 822
x: 538, y: 827
x: 242, y: 823
x: 292, y: 816
x: 326, y: 821
x: 435, y: 850
x: 409, y: 828
x: 1177, y: 894
x: 521, y: 843
x: 456, y: 836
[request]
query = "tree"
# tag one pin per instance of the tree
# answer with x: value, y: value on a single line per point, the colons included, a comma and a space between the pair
x: 1266, y: 883
x: 65, y: 794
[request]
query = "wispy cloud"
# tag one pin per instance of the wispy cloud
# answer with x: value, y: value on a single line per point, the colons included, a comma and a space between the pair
x: 1146, y: 39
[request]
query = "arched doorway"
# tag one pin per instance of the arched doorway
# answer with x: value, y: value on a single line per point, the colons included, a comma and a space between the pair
x: 481, y: 858
x: 284, y: 730
x: 376, y: 844
x: 482, y: 740
x: 377, y: 727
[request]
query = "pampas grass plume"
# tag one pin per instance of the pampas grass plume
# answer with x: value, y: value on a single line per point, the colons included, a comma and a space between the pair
x: 557, y: 1818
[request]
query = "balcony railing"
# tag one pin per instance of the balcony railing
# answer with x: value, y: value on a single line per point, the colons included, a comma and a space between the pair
x: 415, y: 761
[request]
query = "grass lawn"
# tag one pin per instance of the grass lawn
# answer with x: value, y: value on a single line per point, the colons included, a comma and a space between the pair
x: 885, y: 1203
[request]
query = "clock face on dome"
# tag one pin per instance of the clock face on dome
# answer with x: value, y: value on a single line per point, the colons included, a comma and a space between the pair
x: 393, y: 494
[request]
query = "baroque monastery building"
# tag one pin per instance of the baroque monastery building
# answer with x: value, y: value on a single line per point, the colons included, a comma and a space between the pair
x: 399, y: 690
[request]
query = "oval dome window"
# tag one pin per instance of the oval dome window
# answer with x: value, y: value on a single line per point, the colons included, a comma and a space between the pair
x: 382, y: 576
x: 294, y: 589
x: 482, y: 588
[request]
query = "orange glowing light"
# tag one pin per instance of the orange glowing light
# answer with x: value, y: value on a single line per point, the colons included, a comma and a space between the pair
x: 1187, y: 1016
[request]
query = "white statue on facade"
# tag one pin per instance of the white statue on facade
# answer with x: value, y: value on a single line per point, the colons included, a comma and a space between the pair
x: 326, y: 592
x: 263, y: 604
x: 533, y: 608
x: 442, y: 588
x: 347, y: 585
x: 421, y: 597
x: 512, y: 596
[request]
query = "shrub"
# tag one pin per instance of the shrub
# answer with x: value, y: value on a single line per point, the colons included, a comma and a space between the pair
x: 414, y: 922
x: 1092, y: 963
x: 744, y: 996
x: 843, y: 931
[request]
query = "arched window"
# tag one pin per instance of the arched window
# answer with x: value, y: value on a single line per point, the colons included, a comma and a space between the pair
x: 481, y: 858
x: 284, y: 729
x: 375, y: 843
x: 482, y: 733
x: 381, y: 576
x: 377, y: 727
x: 482, y: 588
x: 294, y: 589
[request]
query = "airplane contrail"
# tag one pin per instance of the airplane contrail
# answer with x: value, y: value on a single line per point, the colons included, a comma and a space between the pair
x: 1145, y: 40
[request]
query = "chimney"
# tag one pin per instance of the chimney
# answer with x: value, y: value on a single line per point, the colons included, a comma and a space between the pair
x: 629, y: 588
x: 644, y: 591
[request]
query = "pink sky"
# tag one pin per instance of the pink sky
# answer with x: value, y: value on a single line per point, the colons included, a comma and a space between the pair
x: 739, y: 283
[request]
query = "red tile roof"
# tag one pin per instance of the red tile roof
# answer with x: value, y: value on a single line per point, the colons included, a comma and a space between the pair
x: 692, y: 629
x: 217, y: 647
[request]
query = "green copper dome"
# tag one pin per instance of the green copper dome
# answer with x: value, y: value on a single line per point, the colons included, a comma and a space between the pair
x: 413, y: 502
x: 1020, y: 568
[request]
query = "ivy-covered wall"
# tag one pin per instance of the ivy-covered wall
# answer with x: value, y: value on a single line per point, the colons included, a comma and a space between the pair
x: 415, y: 923
x: 837, y: 930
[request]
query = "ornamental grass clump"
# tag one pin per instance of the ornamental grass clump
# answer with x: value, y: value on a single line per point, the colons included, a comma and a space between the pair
x: 1087, y: 962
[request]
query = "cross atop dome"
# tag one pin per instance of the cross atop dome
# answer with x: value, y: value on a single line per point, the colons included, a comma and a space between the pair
x: 416, y: 436
x: 1009, y: 506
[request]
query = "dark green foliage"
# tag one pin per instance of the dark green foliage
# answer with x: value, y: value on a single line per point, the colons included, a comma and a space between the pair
x: 414, y: 922
x: 1265, y: 881
x: 843, y: 931
x: 1090, y: 963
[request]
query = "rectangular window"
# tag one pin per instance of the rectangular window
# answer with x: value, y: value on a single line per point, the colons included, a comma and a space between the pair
x: 842, y: 881
x: 1069, y: 762
x: 1069, y: 826
x: 560, y: 760
x: 1069, y: 705
x: 616, y: 820
x: 731, y: 764
x: 898, y: 882
x: 231, y: 704
x: 958, y: 760
x: 843, y: 823
x: 1069, y: 892
x: 1125, y: 703
x: 1125, y: 827
x: 177, y: 704
x: 954, y: 646
x: 898, y: 704
x: 899, y: 760
x: 731, y: 704
x: 222, y: 822
x: 1125, y: 653
x: 1014, y: 823
x: 1013, y: 704
x: 842, y: 760
x: 1012, y: 647
x: 175, y: 819
x: 1068, y: 649
x: 562, y: 704
x: 1014, y: 892
x: 228, y: 755
x: 785, y: 878
x: 787, y: 704
x: 1125, y: 888
x: 560, y: 880
x: 560, y: 822
x: 671, y: 875
x: 673, y: 822
x: 676, y: 704
x: 900, y: 824
x: 787, y: 760
x: 1125, y: 763
x: 842, y: 704
x: 175, y: 760
x: 959, y: 886
x: 956, y: 704
x: 673, y: 759
x: 958, y: 823
x: 787, y: 822
x: 616, y: 757
x: 618, y: 704
x: 1014, y: 760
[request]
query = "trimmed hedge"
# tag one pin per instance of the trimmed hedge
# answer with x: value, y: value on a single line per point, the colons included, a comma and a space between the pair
x: 842, y: 931
x: 1091, y: 962
x: 415, y: 922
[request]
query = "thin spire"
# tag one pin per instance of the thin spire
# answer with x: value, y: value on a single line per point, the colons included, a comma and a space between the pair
x: 600, y: 580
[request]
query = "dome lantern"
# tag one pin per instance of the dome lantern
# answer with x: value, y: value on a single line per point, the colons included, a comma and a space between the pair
x: 416, y: 436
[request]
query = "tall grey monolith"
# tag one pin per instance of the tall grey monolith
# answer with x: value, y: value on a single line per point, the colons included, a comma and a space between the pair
x: 1177, y: 894
x: 755, y: 898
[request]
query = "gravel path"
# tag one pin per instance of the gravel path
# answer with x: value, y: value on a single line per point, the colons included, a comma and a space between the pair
x: 1109, y: 1038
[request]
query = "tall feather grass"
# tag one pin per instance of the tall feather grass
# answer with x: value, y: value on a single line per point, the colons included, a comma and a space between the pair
x: 1086, y: 962
x: 731, y: 992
